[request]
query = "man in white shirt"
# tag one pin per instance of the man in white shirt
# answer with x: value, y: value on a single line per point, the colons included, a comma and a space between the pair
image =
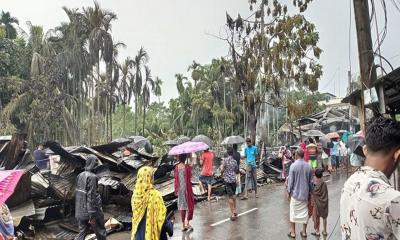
x: 369, y: 205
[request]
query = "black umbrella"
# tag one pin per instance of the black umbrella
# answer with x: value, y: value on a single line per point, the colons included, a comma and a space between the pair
x: 182, y: 139
x: 170, y: 143
x: 203, y: 139
x: 314, y: 133
x: 355, y: 144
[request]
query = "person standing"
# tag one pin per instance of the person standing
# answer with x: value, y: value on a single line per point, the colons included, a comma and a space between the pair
x: 319, y: 152
x: 229, y: 170
x: 320, y: 202
x: 88, y: 207
x: 335, y: 155
x: 312, y: 153
x: 251, y: 155
x: 184, y: 191
x: 206, y: 176
x: 343, y: 157
x: 369, y: 205
x: 148, y: 209
x: 237, y: 157
x: 298, y: 190
x: 41, y: 159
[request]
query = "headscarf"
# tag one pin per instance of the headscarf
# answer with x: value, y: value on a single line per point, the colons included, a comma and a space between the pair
x: 147, y: 199
x: 6, y: 221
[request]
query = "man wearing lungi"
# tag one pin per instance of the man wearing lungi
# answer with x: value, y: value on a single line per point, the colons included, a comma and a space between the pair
x: 299, y: 189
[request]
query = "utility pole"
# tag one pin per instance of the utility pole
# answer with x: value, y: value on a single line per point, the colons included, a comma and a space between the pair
x: 365, y: 52
x: 350, y: 91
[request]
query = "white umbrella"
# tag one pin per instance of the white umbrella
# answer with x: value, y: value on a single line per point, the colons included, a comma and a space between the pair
x: 233, y: 140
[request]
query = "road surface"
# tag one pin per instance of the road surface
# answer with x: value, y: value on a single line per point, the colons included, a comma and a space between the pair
x: 263, y: 218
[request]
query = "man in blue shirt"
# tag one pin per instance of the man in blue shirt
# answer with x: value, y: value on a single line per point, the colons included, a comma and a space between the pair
x: 251, y: 154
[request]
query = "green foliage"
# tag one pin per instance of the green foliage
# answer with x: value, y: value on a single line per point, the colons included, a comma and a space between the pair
x: 53, y: 88
x: 303, y: 103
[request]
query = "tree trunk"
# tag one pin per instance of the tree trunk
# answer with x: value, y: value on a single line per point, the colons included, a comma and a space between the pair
x: 136, y: 112
x: 124, y: 130
x: 144, y: 118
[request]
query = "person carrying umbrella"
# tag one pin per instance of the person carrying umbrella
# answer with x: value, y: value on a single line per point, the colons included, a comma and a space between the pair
x: 184, y: 191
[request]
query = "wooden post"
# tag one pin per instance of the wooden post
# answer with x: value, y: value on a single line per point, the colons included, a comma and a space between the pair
x: 365, y: 52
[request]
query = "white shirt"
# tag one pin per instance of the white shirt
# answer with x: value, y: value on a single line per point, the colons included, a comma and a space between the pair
x: 369, y: 207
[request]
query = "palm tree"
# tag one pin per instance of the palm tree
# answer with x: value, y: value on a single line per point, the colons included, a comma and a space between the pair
x: 136, y: 83
x: 125, y: 95
x: 157, y: 88
x: 148, y: 87
x: 100, y: 41
x: 7, y: 20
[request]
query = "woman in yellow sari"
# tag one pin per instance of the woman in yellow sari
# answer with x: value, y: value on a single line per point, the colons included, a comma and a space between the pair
x: 148, y: 208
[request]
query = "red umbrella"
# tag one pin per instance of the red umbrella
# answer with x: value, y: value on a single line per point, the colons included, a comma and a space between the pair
x: 333, y: 135
x: 8, y: 182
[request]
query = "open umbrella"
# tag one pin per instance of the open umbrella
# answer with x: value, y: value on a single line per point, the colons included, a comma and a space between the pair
x: 8, y: 182
x: 138, y: 141
x: 188, y: 147
x: 233, y: 140
x: 314, y: 133
x: 355, y: 144
x: 204, y: 139
x: 333, y: 135
x: 182, y: 139
x: 360, y: 133
x: 324, y: 140
x: 170, y: 143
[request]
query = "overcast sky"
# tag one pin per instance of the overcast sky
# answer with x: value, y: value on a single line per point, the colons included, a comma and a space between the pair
x: 174, y: 32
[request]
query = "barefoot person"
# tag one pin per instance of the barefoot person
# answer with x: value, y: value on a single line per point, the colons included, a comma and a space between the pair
x: 250, y: 154
x: 320, y: 203
x: 206, y: 176
x: 369, y: 205
x: 184, y: 191
x: 229, y: 169
x: 299, y: 190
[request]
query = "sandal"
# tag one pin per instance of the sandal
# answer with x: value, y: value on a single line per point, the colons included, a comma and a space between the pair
x: 316, y: 234
x: 184, y: 229
x: 303, y: 235
x: 291, y: 236
x: 324, y: 233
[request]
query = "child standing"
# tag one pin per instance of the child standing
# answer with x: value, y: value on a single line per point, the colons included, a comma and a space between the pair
x: 320, y: 202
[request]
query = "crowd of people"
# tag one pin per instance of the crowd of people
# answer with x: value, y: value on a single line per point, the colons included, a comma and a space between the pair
x: 369, y: 206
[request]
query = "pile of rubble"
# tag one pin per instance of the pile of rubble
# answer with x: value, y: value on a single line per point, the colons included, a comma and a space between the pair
x: 43, y: 203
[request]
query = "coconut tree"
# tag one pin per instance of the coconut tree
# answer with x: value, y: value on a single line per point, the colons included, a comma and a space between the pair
x: 7, y: 20
x: 136, y: 83
x: 124, y: 93
x: 148, y: 87
x: 157, y: 88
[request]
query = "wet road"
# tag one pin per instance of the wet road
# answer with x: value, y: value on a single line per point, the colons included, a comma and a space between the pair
x: 262, y: 218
